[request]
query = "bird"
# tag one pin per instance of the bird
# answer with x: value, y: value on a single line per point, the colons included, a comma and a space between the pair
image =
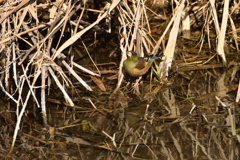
x: 136, y: 66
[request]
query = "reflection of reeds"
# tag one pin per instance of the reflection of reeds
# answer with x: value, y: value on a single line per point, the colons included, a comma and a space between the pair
x: 231, y: 116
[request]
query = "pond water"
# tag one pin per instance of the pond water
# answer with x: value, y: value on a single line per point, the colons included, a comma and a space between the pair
x: 179, y: 119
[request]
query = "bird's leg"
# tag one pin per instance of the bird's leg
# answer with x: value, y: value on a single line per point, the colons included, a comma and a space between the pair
x: 137, y: 82
x: 136, y: 87
x: 137, y: 92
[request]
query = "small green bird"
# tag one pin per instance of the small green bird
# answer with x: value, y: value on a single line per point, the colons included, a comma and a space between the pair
x: 136, y: 66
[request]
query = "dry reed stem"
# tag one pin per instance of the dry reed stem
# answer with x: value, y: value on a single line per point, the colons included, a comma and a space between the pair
x: 43, y: 96
x: 67, y: 104
x: 79, y: 34
x: 9, y: 95
x: 221, y: 37
x: 22, y: 111
x: 18, y: 122
x: 66, y: 17
x: 33, y: 11
x: 201, y: 41
x: 215, y: 18
x: 30, y: 86
x: 234, y: 32
x: 135, y: 20
x: 41, y: 43
x: 157, y: 46
x: 186, y: 24
x: 112, y: 138
x: 169, y: 52
x: 14, y: 10
x: 86, y: 70
x: 208, y: 32
x: 62, y: 57
x: 60, y: 86
x: 91, y: 57
x: 22, y: 33
x: 22, y: 16
x: 238, y: 94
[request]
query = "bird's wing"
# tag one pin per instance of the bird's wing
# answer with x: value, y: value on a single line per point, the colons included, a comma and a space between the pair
x: 135, y: 72
x: 141, y: 63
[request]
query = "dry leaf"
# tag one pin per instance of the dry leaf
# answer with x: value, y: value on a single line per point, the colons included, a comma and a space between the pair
x: 98, y: 83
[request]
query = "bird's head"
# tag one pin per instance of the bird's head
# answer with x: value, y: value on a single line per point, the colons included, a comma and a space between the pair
x: 132, y: 56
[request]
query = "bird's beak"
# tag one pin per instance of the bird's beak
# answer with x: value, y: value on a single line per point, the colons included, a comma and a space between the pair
x: 129, y: 54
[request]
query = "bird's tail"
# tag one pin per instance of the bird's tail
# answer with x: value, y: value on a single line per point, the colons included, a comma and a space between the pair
x: 156, y: 56
x: 153, y: 57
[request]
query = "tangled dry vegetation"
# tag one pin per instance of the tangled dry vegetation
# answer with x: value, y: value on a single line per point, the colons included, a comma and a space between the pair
x: 37, y: 39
